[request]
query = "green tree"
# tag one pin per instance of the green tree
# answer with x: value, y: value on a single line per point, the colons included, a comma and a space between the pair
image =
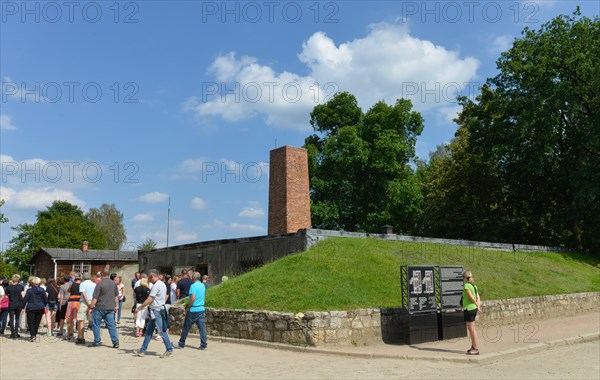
x: 6, y: 269
x: 61, y: 225
x: 109, y: 220
x: 529, y: 154
x: 359, y: 165
x: 147, y: 245
x: 3, y: 219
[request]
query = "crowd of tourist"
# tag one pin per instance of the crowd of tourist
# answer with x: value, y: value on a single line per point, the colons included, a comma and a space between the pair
x: 89, y: 304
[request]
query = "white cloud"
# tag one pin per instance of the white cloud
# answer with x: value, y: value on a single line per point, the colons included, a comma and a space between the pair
x: 185, y: 236
x: 193, y: 165
x: 499, y: 44
x: 387, y: 64
x: 198, y: 203
x: 141, y: 218
x: 6, y: 123
x: 37, y: 198
x: 237, y: 227
x: 251, y: 212
x: 154, y: 197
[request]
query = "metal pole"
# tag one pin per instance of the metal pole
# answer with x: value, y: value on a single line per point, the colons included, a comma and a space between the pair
x: 168, y: 220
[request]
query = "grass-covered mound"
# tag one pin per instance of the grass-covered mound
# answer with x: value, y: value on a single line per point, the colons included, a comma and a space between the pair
x: 344, y: 274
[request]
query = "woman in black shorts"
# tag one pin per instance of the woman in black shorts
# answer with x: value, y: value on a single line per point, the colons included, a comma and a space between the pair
x: 471, y: 303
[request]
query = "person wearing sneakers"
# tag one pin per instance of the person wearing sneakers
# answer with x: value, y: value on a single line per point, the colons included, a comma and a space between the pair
x: 104, y: 307
x: 86, y: 289
x: 121, y: 289
x: 471, y: 304
x: 73, y: 305
x: 158, y: 317
x: 195, y: 312
x: 141, y: 295
x: 36, y: 301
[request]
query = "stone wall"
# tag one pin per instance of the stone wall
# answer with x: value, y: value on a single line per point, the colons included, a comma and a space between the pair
x: 534, y: 308
x: 364, y: 326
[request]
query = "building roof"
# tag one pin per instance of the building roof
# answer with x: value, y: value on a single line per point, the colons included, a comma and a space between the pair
x: 71, y: 254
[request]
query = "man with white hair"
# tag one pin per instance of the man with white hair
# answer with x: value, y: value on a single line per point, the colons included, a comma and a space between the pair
x: 158, y: 315
x: 86, y: 289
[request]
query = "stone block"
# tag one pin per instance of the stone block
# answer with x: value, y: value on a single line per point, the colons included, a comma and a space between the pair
x: 335, y: 323
x: 331, y: 336
x: 280, y: 325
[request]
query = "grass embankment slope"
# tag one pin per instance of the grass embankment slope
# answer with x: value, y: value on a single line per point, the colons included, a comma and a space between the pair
x: 345, y: 274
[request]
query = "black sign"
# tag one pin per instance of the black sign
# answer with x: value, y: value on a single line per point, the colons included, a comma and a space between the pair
x: 421, y: 289
x: 451, y: 287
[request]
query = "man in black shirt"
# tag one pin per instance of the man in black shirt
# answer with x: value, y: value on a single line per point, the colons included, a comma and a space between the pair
x: 183, y: 285
x: 15, y: 305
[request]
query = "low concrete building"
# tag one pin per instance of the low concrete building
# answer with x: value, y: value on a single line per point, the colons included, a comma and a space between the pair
x: 227, y: 257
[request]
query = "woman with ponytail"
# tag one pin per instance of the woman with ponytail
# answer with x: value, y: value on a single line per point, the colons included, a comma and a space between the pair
x: 471, y: 304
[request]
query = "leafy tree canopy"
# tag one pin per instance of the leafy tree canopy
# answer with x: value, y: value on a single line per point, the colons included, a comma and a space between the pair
x: 61, y: 225
x: 359, y: 165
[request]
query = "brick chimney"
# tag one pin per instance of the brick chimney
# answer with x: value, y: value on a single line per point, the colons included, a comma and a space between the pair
x: 85, y: 246
x: 289, y: 198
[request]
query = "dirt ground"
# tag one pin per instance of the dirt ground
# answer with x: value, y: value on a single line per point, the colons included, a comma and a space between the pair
x: 49, y: 358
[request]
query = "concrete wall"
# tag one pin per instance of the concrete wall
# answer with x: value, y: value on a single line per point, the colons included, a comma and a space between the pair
x: 316, y: 235
x: 365, y: 326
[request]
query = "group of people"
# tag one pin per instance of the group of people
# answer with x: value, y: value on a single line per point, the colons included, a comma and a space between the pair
x: 80, y: 301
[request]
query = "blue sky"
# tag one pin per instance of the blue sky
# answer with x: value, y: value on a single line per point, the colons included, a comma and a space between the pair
x: 136, y: 102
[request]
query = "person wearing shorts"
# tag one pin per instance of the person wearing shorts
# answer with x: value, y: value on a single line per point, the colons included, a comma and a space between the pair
x: 471, y: 305
x: 73, y: 305
x: 52, y: 291
x: 86, y: 289
x: 63, y: 299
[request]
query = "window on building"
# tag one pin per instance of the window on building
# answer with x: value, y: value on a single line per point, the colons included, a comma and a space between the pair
x: 82, y: 267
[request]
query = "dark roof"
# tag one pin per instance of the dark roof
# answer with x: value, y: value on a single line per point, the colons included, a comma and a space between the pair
x: 70, y: 254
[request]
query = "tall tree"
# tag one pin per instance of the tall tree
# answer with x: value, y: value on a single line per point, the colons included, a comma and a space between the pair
x: 532, y: 138
x: 359, y: 165
x: 6, y: 269
x: 61, y: 225
x: 109, y: 220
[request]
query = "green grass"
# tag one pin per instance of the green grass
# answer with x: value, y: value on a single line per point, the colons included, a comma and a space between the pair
x: 345, y: 274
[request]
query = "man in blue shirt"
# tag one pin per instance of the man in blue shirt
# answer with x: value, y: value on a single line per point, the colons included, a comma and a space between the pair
x: 195, y: 313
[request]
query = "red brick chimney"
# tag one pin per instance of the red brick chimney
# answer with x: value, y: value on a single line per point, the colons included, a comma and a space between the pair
x: 85, y: 246
x: 289, y: 198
